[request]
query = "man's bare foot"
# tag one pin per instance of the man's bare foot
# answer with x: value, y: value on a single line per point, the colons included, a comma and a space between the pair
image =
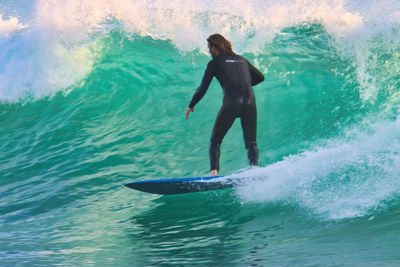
x: 214, y: 172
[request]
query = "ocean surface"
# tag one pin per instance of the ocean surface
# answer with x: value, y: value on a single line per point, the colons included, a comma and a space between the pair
x: 93, y: 95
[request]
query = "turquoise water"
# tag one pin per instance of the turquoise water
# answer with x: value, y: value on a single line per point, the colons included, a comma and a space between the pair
x: 93, y: 95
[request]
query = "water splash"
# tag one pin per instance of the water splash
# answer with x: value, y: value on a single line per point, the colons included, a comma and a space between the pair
x: 8, y: 26
x: 342, y: 179
x: 58, y: 47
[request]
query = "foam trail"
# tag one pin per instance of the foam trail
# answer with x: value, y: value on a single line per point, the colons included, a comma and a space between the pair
x: 341, y: 180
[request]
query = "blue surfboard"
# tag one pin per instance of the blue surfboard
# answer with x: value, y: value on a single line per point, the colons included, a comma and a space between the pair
x: 183, y: 185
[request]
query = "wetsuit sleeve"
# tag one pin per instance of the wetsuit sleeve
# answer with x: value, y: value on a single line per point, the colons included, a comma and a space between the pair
x: 205, y: 83
x: 256, y: 75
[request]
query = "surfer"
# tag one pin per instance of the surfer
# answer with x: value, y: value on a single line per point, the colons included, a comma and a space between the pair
x: 236, y: 77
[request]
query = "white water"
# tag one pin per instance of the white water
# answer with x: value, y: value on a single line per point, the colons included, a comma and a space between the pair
x: 57, y: 45
x: 345, y: 178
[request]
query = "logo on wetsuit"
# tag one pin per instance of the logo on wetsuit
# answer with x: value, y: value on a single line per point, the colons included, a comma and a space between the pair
x: 233, y: 60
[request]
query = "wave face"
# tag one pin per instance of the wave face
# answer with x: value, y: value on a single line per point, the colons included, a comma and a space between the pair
x: 93, y: 95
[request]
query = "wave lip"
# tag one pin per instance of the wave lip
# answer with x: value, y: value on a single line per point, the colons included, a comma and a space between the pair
x: 52, y: 47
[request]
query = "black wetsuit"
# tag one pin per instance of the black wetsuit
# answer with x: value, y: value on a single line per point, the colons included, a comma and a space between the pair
x: 236, y: 76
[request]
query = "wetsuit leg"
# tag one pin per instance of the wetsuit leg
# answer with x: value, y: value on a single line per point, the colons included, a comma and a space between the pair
x: 225, y: 118
x: 248, y: 120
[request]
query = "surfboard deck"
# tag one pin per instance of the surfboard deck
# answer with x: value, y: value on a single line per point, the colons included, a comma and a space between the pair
x: 182, y: 185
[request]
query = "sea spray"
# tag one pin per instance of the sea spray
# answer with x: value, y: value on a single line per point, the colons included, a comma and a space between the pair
x: 345, y: 178
x: 60, y: 39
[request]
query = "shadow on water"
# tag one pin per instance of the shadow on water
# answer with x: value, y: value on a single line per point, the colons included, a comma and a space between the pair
x: 192, y: 228
x: 205, y: 228
x: 217, y: 228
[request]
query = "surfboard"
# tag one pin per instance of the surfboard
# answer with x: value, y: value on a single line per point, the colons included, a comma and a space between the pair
x: 183, y: 185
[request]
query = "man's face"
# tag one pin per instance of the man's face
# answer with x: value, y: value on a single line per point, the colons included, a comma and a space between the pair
x: 213, y: 51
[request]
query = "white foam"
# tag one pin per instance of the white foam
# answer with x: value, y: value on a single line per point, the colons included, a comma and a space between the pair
x: 10, y: 25
x: 43, y: 59
x: 65, y: 28
x: 343, y: 179
x: 36, y: 65
x: 188, y: 23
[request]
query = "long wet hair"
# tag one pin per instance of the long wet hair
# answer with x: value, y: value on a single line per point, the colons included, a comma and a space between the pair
x: 221, y: 43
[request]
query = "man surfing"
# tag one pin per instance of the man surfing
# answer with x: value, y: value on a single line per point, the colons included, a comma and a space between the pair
x: 236, y: 76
